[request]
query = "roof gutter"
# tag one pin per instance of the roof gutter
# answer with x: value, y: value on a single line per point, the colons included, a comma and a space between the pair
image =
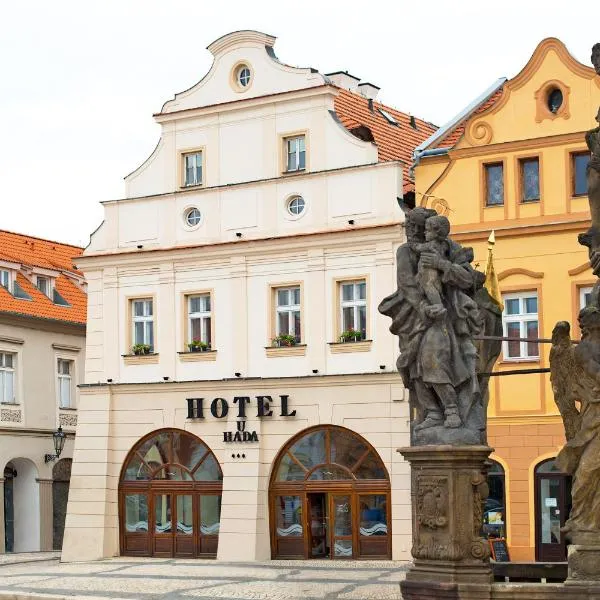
x: 422, y: 154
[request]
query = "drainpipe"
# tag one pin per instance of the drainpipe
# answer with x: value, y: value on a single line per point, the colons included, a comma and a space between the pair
x: 419, y: 154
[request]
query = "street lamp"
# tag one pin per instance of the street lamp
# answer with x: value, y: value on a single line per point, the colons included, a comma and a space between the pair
x: 58, y: 437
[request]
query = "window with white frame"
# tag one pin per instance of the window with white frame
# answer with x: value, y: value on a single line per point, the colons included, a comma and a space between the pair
x: 65, y: 384
x: 7, y: 377
x: 5, y: 278
x: 199, y: 319
x: 287, y: 308
x: 192, y: 168
x: 295, y: 149
x: 520, y: 320
x: 353, y: 307
x: 142, y: 317
x: 43, y: 284
x: 585, y: 296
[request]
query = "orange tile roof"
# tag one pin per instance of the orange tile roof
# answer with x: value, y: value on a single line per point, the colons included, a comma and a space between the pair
x: 394, y: 142
x: 34, y: 252
x: 451, y: 138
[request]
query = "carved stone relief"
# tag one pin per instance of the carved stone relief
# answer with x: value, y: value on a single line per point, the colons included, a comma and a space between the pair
x: 68, y: 420
x: 13, y: 416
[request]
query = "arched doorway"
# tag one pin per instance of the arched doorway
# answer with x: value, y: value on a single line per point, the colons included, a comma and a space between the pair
x: 329, y: 497
x: 170, y: 497
x: 61, y: 476
x: 494, y: 514
x: 21, y: 506
x: 552, y: 508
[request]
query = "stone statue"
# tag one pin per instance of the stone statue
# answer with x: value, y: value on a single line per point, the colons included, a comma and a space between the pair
x: 435, y: 316
x: 575, y: 376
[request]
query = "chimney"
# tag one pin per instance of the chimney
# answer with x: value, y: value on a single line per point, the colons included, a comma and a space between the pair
x: 344, y: 80
x: 368, y: 90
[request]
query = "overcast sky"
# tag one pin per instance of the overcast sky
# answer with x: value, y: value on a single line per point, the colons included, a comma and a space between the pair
x: 79, y: 80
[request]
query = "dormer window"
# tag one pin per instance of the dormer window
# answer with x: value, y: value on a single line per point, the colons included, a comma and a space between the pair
x: 43, y: 284
x: 5, y: 278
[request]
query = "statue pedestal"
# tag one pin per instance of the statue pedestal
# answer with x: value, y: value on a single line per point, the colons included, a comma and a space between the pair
x: 448, y: 489
x: 584, y: 565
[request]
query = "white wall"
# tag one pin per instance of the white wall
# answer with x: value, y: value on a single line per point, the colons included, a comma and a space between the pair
x: 26, y: 502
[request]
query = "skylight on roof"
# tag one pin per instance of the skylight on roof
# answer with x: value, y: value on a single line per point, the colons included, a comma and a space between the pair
x: 388, y: 117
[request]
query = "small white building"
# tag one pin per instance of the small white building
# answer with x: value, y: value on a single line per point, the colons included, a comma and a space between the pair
x: 42, y: 354
x: 239, y: 379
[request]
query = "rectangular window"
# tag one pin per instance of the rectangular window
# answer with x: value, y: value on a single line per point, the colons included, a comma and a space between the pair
x: 287, y: 312
x: 142, y: 318
x: 192, y: 168
x: 65, y: 396
x: 353, y: 307
x: 494, y: 184
x: 579, y: 163
x: 585, y: 296
x: 530, y: 179
x: 520, y: 320
x: 199, y: 319
x: 295, y: 150
x: 7, y: 378
x: 5, y: 279
x: 43, y: 284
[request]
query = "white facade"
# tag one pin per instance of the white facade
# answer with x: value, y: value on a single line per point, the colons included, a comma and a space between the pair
x: 245, y: 245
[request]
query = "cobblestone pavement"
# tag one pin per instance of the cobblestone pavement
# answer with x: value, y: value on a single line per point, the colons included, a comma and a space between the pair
x: 132, y: 578
x: 24, y: 557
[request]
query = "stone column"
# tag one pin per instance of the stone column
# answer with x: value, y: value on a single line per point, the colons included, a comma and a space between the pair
x: 448, y: 489
x: 46, y: 515
x: 2, y: 548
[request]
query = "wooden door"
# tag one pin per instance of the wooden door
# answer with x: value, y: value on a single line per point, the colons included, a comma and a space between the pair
x: 162, y: 524
x: 372, y: 525
x: 209, y: 518
x: 317, y: 526
x: 340, y: 510
x: 184, y: 531
x: 552, y: 507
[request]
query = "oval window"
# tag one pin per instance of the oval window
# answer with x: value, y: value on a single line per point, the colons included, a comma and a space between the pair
x: 296, y: 205
x: 244, y: 76
x: 193, y: 217
x: 555, y: 100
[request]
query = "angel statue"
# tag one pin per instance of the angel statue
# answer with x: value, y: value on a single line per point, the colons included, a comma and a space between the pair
x: 575, y: 377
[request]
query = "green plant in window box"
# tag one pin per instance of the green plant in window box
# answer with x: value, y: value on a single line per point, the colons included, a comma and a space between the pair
x: 351, y: 335
x: 285, y: 339
x: 140, y: 349
x: 198, y: 346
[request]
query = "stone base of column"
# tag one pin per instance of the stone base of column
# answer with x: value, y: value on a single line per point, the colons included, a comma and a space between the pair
x: 448, y: 489
x: 584, y: 564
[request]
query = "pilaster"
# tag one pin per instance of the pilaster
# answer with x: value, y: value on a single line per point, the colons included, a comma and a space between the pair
x: 46, y: 514
x: 2, y: 548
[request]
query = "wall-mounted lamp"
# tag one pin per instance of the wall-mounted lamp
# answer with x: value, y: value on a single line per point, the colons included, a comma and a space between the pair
x: 58, y: 437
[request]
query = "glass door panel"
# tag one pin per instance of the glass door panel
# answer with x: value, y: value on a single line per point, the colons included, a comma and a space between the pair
x: 184, y: 531
x: 373, y: 525
x: 341, y: 531
x: 163, y: 526
x: 136, y: 523
x: 552, y: 509
x: 317, y: 526
x: 210, y: 523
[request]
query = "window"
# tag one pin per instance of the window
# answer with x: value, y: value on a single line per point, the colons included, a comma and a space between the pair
x: 244, y: 76
x: 143, y: 322
x: 530, y: 179
x: 7, y: 378
x: 65, y: 396
x: 494, y: 184
x: 585, y: 296
x: 520, y: 319
x: 287, y: 308
x: 5, y: 279
x: 43, y: 284
x: 199, y: 319
x: 192, y: 169
x: 579, y: 163
x: 389, y: 117
x: 296, y: 206
x: 295, y: 150
x: 555, y: 100
x: 193, y: 217
x: 353, y: 306
x: 494, y: 513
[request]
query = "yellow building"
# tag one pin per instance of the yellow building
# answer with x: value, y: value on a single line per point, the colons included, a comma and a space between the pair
x: 514, y: 162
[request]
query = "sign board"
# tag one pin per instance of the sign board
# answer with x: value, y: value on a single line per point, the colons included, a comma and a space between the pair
x: 551, y: 502
x: 499, y: 549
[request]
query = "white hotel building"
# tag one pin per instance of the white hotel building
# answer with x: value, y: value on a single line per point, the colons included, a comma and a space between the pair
x: 246, y: 263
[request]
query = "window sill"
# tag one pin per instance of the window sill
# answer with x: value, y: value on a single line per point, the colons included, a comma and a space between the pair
x: 191, y: 186
x: 67, y: 408
x: 277, y: 351
x: 141, y: 359
x: 520, y: 361
x: 295, y: 172
x: 205, y: 355
x: 9, y: 404
x: 493, y: 205
x: 532, y: 201
x: 344, y: 347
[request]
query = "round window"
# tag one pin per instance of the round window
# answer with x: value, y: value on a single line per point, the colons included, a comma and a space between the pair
x: 296, y: 205
x: 555, y: 100
x: 193, y: 216
x: 244, y: 76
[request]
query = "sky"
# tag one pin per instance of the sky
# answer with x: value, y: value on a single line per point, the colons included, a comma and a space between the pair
x: 80, y: 80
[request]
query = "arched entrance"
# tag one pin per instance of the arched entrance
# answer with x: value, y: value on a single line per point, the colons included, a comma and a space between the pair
x: 552, y: 508
x: 329, y: 497
x: 61, y: 476
x: 21, y: 506
x: 170, y: 497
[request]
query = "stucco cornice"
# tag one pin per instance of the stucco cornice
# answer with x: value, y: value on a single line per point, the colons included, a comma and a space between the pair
x: 244, y: 37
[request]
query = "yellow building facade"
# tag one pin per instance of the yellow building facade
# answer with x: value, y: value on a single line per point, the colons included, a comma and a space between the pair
x: 514, y: 162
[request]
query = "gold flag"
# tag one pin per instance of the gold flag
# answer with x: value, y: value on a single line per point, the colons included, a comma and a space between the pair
x: 491, y: 280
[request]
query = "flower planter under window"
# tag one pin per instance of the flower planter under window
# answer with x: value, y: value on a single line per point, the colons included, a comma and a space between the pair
x: 198, y: 347
x: 351, y: 335
x: 284, y: 341
x: 141, y: 349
